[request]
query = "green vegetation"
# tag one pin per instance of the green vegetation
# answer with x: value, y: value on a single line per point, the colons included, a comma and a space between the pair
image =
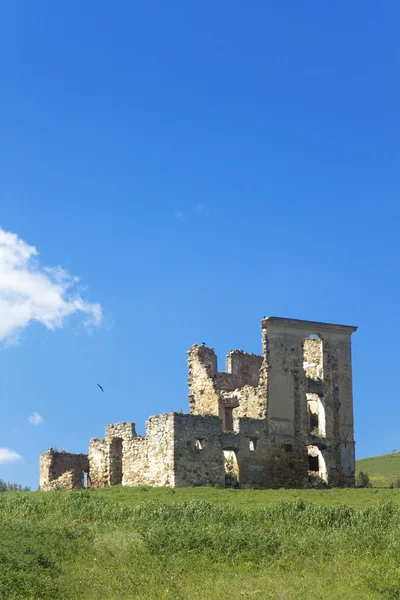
x: 382, y: 470
x: 205, y: 543
x: 7, y: 486
x: 362, y: 480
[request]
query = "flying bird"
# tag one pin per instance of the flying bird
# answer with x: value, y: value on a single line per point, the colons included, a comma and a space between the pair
x: 100, y: 387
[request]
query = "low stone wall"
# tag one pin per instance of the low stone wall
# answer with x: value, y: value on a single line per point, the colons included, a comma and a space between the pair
x: 62, y: 470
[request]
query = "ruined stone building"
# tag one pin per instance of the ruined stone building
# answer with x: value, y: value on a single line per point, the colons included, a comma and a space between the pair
x: 283, y: 419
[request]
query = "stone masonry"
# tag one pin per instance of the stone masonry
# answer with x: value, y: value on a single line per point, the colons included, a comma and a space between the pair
x: 281, y: 419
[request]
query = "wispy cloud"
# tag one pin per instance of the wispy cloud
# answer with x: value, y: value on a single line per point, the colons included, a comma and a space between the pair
x: 198, y: 210
x: 180, y: 215
x: 35, y: 419
x: 8, y: 456
x: 201, y: 209
x: 29, y: 292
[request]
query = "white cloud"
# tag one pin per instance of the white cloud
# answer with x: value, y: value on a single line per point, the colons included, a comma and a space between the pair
x: 179, y: 215
x: 201, y: 209
x: 29, y: 292
x: 35, y: 419
x: 8, y: 456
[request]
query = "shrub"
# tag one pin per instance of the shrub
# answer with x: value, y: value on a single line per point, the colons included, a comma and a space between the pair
x: 362, y: 480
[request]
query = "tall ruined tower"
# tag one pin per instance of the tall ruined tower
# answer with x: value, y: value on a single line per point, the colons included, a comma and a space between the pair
x: 309, y: 393
x: 301, y: 387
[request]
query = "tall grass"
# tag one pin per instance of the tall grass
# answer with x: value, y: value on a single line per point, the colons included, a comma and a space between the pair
x: 84, y: 545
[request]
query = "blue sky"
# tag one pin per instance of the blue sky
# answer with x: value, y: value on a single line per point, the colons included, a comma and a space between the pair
x: 197, y: 166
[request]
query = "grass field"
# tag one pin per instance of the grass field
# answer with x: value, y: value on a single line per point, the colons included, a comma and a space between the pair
x: 382, y: 470
x: 205, y: 543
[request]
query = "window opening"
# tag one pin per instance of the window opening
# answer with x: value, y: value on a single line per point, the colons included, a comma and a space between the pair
x: 313, y: 463
x: 313, y: 421
x: 316, y: 416
x: 228, y: 418
x: 313, y: 357
x: 252, y: 445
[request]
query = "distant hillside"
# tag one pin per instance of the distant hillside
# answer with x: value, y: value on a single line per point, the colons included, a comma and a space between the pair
x: 382, y: 470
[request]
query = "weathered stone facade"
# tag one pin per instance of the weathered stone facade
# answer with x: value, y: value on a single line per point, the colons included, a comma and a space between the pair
x: 283, y: 419
x: 62, y: 470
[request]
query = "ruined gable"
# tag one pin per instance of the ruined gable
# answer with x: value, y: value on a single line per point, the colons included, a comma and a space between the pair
x: 211, y: 391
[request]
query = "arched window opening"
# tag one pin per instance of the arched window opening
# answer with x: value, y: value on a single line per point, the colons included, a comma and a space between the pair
x: 313, y: 362
x: 316, y: 416
x: 316, y: 464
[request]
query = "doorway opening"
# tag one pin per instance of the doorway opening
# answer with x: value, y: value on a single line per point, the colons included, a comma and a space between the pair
x: 231, y: 469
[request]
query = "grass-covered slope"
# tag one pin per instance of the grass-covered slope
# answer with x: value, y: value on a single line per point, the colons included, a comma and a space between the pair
x: 204, y: 543
x: 382, y: 470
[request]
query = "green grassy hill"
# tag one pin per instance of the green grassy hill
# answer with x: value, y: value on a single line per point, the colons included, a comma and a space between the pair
x: 200, y: 543
x: 382, y: 470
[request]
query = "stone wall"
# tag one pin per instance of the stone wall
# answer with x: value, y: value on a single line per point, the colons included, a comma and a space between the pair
x: 208, y: 387
x: 99, y: 463
x: 106, y: 455
x: 62, y: 470
x: 202, y: 364
x: 125, y: 431
x: 149, y: 460
x: 251, y: 452
x: 198, y: 453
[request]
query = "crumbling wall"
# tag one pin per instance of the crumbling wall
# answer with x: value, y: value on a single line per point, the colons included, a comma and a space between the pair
x: 99, y: 463
x: 252, y: 403
x: 242, y: 378
x: 124, y: 430
x: 251, y: 448
x: 287, y: 464
x: 244, y: 368
x: 198, y: 454
x: 62, y: 470
x: 149, y: 460
x: 202, y: 364
x: 106, y: 455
